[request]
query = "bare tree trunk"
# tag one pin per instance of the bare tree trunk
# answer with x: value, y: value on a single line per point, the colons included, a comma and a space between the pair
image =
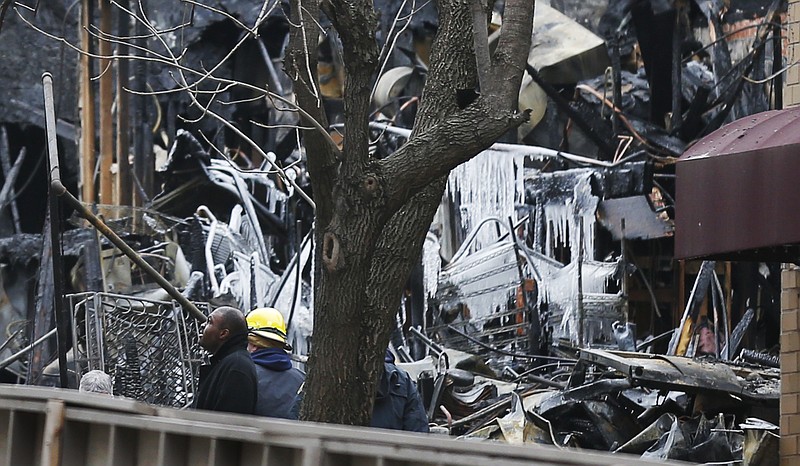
x: 372, y: 215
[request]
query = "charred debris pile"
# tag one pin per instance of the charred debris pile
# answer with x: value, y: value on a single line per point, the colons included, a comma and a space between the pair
x: 546, y: 307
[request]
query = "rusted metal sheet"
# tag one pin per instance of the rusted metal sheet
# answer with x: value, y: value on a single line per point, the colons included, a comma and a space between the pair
x: 737, y: 191
x: 686, y: 374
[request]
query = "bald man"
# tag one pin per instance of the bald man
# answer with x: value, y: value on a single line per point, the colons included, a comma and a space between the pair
x: 229, y: 383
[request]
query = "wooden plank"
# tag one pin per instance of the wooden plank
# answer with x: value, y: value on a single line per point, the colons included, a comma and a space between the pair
x: 124, y: 194
x: 53, y: 427
x: 86, y: 109
x: 106, y: 102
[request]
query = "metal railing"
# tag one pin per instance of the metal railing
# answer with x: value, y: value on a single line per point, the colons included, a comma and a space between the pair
x: 149, y: 348
x: 58, y: 427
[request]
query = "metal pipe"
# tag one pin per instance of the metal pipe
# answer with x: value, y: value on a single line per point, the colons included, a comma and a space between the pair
x: 11, y: 338
x: 297, y: 284
x: 428, y: 342
x: 11, y: 359
x: 581, y: 342
x: 62, y: 316
x: 58, y: 189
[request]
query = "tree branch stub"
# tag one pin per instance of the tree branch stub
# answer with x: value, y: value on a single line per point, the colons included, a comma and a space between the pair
x: 332, y: 254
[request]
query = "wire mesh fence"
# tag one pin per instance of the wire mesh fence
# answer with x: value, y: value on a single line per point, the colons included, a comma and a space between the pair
x: 149, y: 348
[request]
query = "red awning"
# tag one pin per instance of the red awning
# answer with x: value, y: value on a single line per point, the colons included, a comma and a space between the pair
x: 738, y: 193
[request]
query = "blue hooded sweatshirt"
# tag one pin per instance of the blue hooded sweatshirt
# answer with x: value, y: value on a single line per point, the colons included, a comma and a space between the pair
x: 278, y: 382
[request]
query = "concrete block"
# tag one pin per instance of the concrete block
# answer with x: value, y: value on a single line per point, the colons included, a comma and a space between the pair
x: 790, y: 362
x: 788, y: 445
x: 789, y: 320
x: 790, y: 383
x: 790, y: 273
x: 789, y: 299
x: 792, y: 75
x: 789, y: 404
x: 794, y: 424
x: 790, y: 342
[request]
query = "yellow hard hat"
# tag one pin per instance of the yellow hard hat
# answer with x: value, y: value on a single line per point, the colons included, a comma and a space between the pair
x: 267, y: 322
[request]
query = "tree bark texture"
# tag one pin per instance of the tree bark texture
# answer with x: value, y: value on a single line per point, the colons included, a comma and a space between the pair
x: 372, y: 214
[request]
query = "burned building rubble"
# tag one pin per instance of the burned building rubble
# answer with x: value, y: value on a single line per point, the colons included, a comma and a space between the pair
x: 547, y: 306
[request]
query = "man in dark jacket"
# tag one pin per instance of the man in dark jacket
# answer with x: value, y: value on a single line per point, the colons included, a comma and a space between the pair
x: 397, y: 402
x: 278, y: 381
x: 229, y: 382
x: 397, y: 405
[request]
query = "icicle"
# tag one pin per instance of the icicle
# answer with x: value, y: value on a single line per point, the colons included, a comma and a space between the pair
x: 489, y: 185
x: 583, y: 204
x: 431, y: 264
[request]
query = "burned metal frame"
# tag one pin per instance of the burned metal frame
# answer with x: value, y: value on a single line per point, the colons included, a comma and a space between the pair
x: 669, y: 373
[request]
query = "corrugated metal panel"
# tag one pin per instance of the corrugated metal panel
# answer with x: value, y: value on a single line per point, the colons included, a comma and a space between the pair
x: 737, y: 191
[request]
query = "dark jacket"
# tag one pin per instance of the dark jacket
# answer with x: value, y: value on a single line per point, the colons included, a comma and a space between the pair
x: 229, y: 383
x: 397, y: 402
x: 278, y: 383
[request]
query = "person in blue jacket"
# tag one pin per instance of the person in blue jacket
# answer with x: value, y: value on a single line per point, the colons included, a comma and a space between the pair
x: 397, y: 405
x: 278, y: 381
x: 397, y: 401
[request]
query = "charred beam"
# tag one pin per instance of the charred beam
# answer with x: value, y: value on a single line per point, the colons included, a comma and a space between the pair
x: 602, y: 145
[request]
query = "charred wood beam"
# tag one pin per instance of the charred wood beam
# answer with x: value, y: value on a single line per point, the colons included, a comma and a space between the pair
x: 42, y: 317
x: 696, y: 298
x: 777, y: 63
x: 92, y: 268
x: 655, y: 35
x: 7, y: 193
x: 5, y: 160
x: 675, y: 116
x: 616, y: 69
x: 692, y: 122
x: 57, y: 189
x: 749, y: 63
x: 561, y: 102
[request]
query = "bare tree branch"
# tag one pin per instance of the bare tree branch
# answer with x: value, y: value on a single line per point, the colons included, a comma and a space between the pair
x: 391, y: 39
x: 432, y: 154
x: 511, y: 54
x: 301, y: 66
x: 360, y: 56
x: 480, y: 32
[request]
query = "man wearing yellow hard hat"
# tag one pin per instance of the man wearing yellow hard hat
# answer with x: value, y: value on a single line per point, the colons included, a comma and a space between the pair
x: 278, y: 381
